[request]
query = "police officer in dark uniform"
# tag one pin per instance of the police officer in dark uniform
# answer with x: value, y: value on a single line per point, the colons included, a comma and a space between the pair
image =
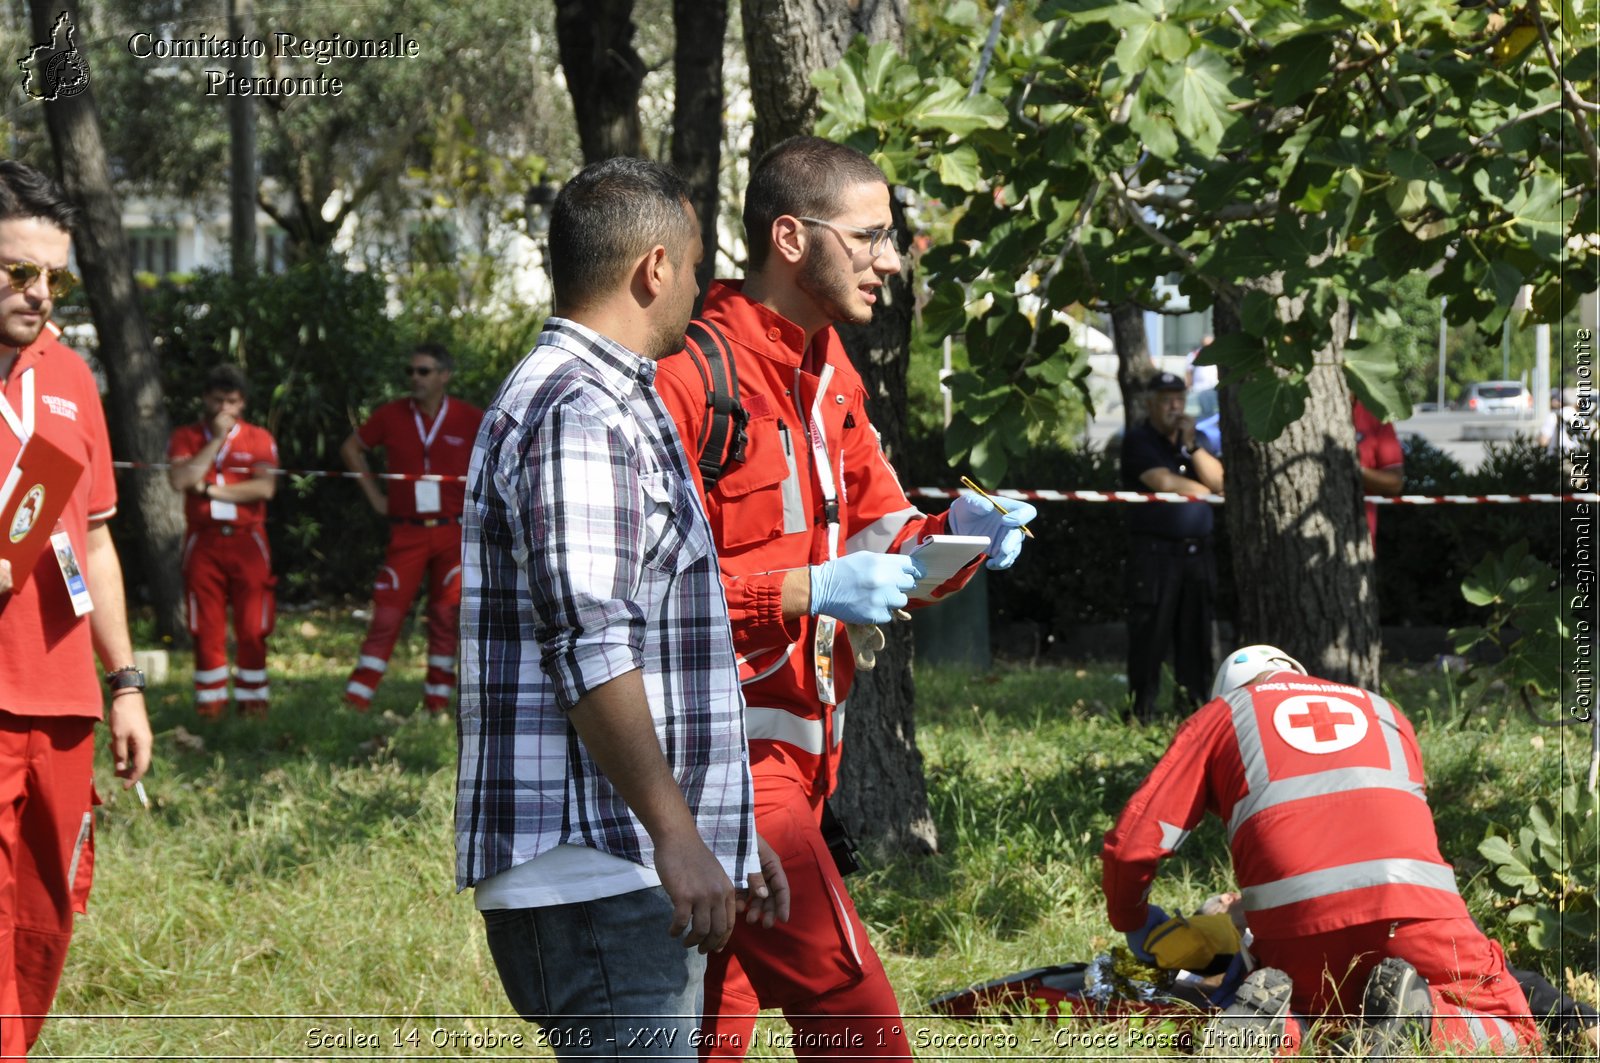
x: 1171, y: 575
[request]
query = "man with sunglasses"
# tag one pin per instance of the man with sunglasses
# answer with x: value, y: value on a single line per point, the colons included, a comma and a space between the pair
x: 227, y: 470
x: 427, y: 441
x: 810, y: 524
x: 50, y: 695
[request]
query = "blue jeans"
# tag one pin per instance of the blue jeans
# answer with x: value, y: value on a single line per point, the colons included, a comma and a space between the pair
x: 602, y: 978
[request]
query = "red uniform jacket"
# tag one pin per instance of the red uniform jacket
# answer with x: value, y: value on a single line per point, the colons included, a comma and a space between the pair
x: 769, y: 514
x: 1321, y: 788
x: 248, y: 448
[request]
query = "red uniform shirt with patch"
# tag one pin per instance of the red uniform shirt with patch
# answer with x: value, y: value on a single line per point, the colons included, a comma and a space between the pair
x: 248, y: 448
x: 402, y: 430
x: 1321, y: 788
x: 46, y: 658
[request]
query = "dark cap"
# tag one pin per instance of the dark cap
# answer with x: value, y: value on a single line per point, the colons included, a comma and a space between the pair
x: 1166, y: 382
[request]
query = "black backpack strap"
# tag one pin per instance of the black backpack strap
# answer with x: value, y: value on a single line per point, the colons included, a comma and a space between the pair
x: 722, y: 436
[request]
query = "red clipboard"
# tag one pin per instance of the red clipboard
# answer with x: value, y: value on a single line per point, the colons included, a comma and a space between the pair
x: 32, y: 497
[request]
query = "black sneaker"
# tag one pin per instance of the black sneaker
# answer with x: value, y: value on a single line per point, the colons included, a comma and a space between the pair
x: 1255, y: 1025
x: 1396, y: 1011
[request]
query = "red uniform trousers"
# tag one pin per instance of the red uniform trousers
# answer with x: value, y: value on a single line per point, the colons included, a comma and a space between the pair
x: 46, y: 862
x: 819, y: 967
x: 1465, y: 971
x: 415, y: 552
x: 229, y: 565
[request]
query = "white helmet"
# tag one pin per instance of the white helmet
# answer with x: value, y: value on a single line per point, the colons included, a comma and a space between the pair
x: 1243, y: 665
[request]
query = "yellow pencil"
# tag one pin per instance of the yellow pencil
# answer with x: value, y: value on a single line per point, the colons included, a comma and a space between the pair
x: 967, y: 481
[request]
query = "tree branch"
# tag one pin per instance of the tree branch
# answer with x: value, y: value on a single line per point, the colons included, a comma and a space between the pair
x: 1543, y: 108
x: 1575, y: 103
x: 1138, y: 218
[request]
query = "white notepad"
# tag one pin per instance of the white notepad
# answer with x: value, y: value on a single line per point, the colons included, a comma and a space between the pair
x: 942, y: 556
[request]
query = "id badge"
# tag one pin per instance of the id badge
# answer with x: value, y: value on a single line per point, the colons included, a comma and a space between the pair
x: 827, y: 628
x: 226, y: 512
x: 428, y: 498
x: 71, y: 571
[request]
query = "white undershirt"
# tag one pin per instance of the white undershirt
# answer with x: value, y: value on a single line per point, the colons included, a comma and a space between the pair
x: 566, y: 874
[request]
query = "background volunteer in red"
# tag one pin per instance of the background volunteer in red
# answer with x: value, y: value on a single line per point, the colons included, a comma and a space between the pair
x: 808, y: 527
x: 428, y: 434
x: 227, y: 471
x: 49, y: 691
x: 1333, y: 845
x: 1382, y: 458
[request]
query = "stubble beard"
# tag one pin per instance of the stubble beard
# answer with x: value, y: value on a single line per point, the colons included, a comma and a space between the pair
x: 20, y: 336
x: 833, y: 294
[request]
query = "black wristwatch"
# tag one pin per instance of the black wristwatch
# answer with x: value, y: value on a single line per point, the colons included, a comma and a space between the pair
x: 129, y: 678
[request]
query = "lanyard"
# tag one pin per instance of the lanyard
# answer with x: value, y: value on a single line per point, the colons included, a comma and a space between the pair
x: 21, y: 427
x: 428, y: 436
x: 819, y: 457
x: 222, y: 451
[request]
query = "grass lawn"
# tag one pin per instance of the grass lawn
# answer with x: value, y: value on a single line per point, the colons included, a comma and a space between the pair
x: 289, y: 895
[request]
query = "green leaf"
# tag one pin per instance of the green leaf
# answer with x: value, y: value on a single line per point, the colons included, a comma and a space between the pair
x: 1155, y: 130
x: 1258, y: 313
x: 1271, y: 403
x: 960, y: 168
x: 1374, y: 376
x: 1302, y: 65
x: 1505, y: 280
x: 947, y: 108
x: 1200, y: 96
x: 1407, y: 198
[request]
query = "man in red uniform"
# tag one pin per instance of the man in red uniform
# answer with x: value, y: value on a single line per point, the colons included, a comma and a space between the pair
x: 809, y: 529
x: 50, y: 628
x: 1383, y: 470
x: 227, y: 471
x: 428, y: 439
x: 1354, y: 911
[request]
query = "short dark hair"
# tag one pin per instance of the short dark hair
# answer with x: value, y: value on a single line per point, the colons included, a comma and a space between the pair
x: 608, y: 215
x: 803, y: 176
x: 226, y: 378
x: 437, y: 352
x: 29, y: 193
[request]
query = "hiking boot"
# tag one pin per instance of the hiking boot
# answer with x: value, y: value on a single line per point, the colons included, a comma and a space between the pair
x: 1396, y: 1011
x: 1256, y: 1024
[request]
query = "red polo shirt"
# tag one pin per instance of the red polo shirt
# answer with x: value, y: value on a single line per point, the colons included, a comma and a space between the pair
x: 414, y: 444
x: 46, y: 658
x: 248, y: 448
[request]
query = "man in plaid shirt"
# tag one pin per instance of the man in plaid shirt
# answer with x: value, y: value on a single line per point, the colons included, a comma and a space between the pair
x: 603, y: 790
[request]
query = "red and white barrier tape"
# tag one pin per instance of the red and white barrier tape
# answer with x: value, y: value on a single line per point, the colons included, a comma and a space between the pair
x: 1168, y: 496
x: 1044, y: 495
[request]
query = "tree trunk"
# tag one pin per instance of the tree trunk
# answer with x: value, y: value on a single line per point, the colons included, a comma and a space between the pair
x: 242, y: 150
x: 1134, y: 364
x: 786, y: 40
x: 882, y: 797
x: 1301, y: 555
x: 137, y: 412
x: 604, y: 74
x: 697, y: 104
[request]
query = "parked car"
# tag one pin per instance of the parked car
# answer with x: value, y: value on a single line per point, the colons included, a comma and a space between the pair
x: 1496, y: 396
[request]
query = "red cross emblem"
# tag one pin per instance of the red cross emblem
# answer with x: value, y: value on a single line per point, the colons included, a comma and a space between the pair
x: 1319, y: 716
x: 1319, y: 723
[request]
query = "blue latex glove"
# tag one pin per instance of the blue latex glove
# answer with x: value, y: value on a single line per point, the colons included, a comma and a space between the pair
x: 864, y: 587
x: 976, y: 515
x: 1136, y: 938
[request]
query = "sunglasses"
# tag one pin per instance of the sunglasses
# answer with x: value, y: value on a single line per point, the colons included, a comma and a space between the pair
x: 878, y: 240
x: 61, y: 282
x: 420, y: 370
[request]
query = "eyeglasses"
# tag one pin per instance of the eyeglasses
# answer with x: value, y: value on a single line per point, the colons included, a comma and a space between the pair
x: 878, y: 240
x: 61, y: 282
x: 419, y: 370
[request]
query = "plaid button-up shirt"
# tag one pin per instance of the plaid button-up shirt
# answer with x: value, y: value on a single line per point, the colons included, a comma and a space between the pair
x: 586, y: 555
